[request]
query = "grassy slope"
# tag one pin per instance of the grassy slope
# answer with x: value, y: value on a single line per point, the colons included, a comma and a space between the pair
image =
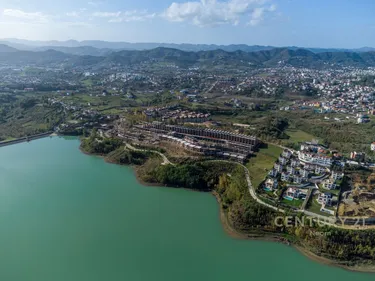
x: 262, y: 163
x: 299, y: 136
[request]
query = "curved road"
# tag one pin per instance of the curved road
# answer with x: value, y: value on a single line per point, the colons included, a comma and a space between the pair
x: 250, y: 186
x: 321, y: 219
x: 165, y: 159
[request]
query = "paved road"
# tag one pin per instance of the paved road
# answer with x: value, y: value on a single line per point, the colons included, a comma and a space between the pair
x: 165, y: 159
x: 250, y: 186
x: 318, y: 218
x: 311, y: 189
x: 321, y: 219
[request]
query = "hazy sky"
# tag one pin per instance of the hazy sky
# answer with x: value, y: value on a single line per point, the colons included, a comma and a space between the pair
x: 307, y: 23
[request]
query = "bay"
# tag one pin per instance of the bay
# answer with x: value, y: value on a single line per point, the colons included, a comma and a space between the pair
x: 67, y: 216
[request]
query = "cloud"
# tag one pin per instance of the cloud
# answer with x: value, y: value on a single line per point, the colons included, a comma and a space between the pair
x: 95, y: 3
x: 257, y: 15
x: 106, y: 14
x: 214, y: 12
x: 19, y: 17
x: 35, y: 17
x: 272, y: 8
x: 77, y: 13
x: 78, y: 24
x: 198, y: 12
x: 73, y: 14
x: 125, y: 16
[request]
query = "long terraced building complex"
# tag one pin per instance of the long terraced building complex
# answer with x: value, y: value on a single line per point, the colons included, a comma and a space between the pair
x: 226, y: 143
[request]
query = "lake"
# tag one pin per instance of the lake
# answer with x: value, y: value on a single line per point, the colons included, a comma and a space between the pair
x: 67, y: 216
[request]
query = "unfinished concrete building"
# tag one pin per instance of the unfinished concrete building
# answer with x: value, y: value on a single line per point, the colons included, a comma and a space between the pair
x: 210, y: 142
x: 209, y: 133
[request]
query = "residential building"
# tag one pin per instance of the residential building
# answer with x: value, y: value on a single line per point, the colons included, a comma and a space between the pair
x: 293, y: 192
x: 312, y: 158
x: 319, y: 170
x: 283, y: 160
x: 373, y: 146
x: 360, y: 156
x: 363, y: 119
x: 273, y: 173
x: 329, y: 184
x: 304, y: 173
x: 295, y: 163
x: 291, y: 170
x: 297, y: 179
x: 286, y: 153
x: 337, y: 175
x: 325, y: 198
x: 278, y: 167
x: 271, y: 184
x: 310, y: 167
x: 285, y: 177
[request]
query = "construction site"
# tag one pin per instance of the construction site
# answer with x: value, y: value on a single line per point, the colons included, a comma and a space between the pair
x: 197, y: 141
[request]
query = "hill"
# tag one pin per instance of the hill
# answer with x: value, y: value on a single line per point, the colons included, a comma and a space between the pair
x: 104, y: 58
x: 98, y: 47
x: 6, y: 49
x: 264, y: 58
x: 48, y: 57
x: 79, y: 51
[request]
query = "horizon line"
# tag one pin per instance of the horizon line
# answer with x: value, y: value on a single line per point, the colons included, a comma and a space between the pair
x: 196, y: 44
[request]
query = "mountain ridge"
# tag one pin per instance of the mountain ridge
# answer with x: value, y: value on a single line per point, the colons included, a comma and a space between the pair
x: 208, y: 59
x: 99, y: 47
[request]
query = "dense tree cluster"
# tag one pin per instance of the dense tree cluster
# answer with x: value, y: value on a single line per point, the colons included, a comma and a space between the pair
x: 99, y: 145
x: 127, y: 157
x: 189, y: 176
x: 338, y: 244
x: 273, y: 127
x: 22, y: 116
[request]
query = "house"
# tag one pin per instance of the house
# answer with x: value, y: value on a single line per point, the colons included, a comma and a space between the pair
x: 312, y: 147
x: 310, y: 167
x: 273, y: 173
x: 305, y: 156
x: 295, y: 163
x: 325, y: 198
x: 285, y: 176
x: 304, y: 147
x: 324, y: 160
x: 271, y: 184
x: 337, y: 175
x: 286, y: 153
x: 283, y: 160
x: 319, y: 170
x: 304, y: 173
x: 278, y: 167
x: 291, y: 170
x: 329, y: 184
x: 363, y: 119
x: 293, y: 192
x: 359, y: 156
x: 297, y: 179
x: 312, y: 158
x: 373, y: 146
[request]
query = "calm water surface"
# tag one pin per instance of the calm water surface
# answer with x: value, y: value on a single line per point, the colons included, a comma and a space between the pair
x: 66, y: 216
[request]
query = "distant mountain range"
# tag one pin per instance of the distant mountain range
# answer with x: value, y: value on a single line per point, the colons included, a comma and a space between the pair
x: 82, y: 56
x: 6, y: 49
x: 100, y: 48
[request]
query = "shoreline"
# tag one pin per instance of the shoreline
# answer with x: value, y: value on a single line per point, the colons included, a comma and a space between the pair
x: 233, y: 233
x: 26, y: 139
x: 274, y: 238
